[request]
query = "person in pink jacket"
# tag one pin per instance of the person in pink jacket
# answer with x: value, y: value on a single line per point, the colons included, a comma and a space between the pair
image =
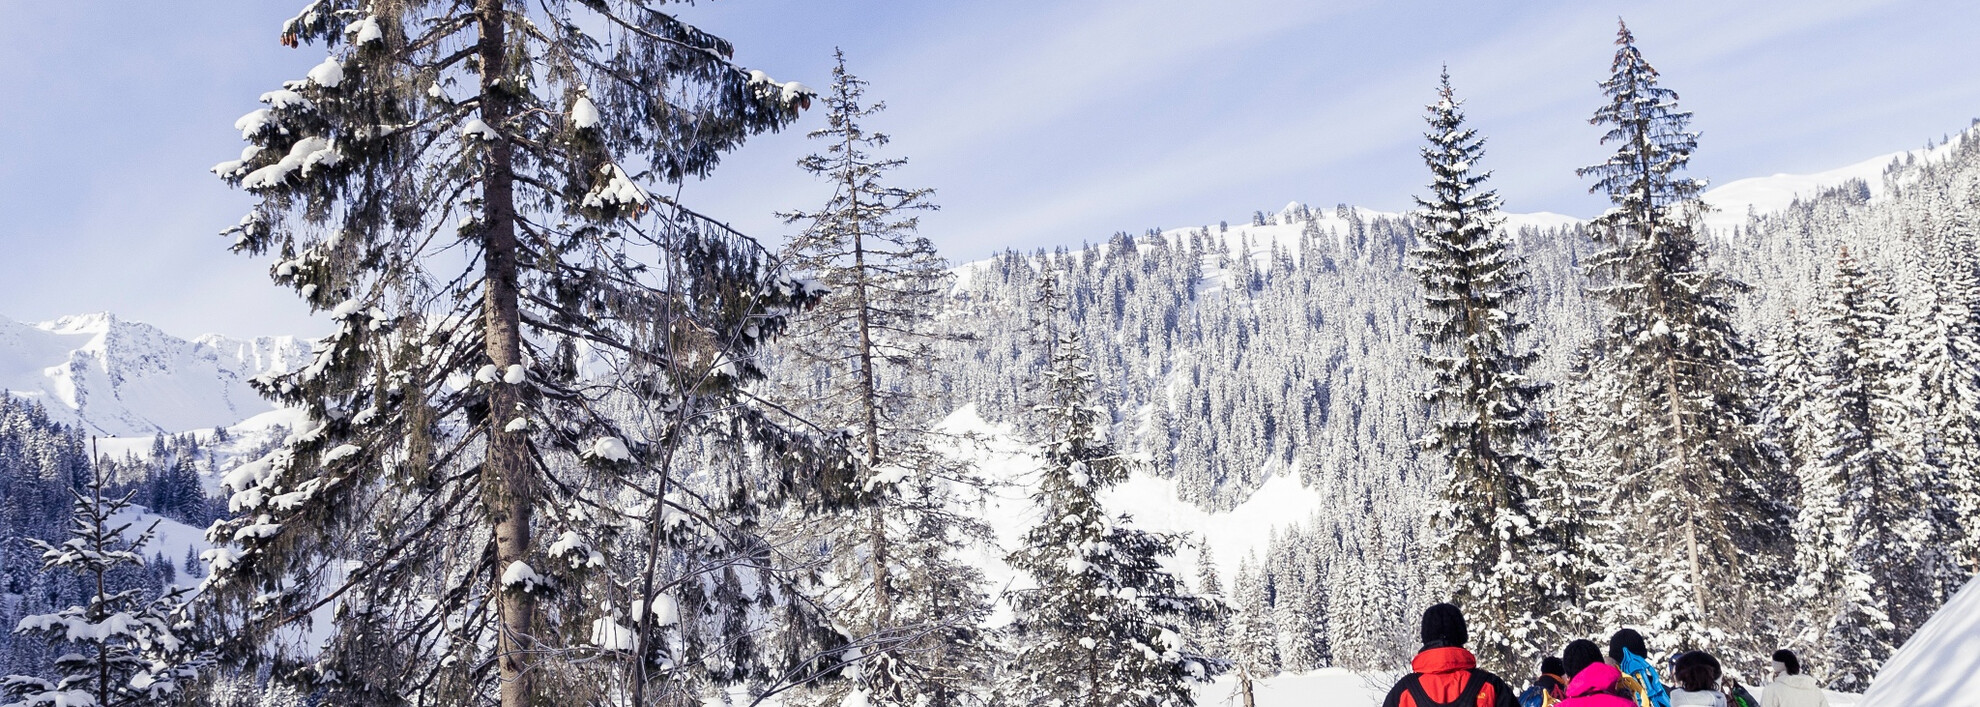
x: 1598, y: 685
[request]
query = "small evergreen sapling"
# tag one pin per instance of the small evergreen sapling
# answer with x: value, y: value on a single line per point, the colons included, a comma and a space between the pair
x: 124, y: 649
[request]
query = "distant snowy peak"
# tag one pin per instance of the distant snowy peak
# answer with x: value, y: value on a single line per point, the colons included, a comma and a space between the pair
x: 118, y: 377
x: 1733, y: 201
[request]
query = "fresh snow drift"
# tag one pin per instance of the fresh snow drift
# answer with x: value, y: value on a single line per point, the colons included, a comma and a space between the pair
x: 1940, y: 665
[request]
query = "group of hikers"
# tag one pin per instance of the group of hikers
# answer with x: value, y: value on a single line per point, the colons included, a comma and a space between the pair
x: 1446, y: 674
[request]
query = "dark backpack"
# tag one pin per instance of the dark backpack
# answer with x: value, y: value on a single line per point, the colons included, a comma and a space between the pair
x: 1468, y: 696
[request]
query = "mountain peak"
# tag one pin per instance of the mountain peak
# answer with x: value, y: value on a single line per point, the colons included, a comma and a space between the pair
x: 115, y: 376
x: 91, y: 323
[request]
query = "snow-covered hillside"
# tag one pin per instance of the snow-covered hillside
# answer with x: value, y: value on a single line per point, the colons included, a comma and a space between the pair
x: 117, y: 377
x: 1940, y: 665
x: 1733, y: 201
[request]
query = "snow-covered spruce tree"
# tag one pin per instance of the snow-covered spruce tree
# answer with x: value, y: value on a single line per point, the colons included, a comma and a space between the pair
x: 1254, y: 644
x: 1103, y: 626
x: 1945, y: 358
x: 1792, y: 360
x: 1863, y: 528
x: 122, y: 648
x: 1583, y: 573
x: 1488, y: 427
x: 863, y: 362
x: 1211, y: 633
x: 530, y: 343
x: 1706, y: 539
x: 1298, y: 616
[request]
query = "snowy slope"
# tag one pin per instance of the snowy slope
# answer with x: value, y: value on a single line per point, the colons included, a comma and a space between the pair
x: 1732, y: 201
x: 1151, y: 502
x: 1940, y: 665
x: 169, y: 538
x: 113, y: 376
x: 1331, y: 687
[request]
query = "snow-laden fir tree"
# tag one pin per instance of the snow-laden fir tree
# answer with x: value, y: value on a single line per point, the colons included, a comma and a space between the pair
x: 1254, y: 645
x: 1864, y: 527
x: 1211, y: 633
x: 123, y: 647
x: 1792, y: 361
x: 1104, y: 623
x: 864, y: 363
x: 1579, y: 574
x: 1705, y: 539
x: 524, y: 468
x: 1298, y: 612
x: 1944, y: 346
x: 1488, y: 427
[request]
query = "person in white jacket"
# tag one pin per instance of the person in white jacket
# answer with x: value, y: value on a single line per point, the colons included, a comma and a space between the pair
x: 1790, y: 688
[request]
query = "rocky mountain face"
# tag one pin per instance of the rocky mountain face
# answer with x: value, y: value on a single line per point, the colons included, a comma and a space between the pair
x: 113, y: 376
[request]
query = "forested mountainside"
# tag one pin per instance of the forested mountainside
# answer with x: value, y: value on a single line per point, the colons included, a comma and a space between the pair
x: 1235, y: 352
x: 1285, y: 342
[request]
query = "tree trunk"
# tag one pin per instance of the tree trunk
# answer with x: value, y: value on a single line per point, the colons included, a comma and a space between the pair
x: 883, y: 603
x: 1681, y: 442
x: 505, y: 481
x: 1244, y: 687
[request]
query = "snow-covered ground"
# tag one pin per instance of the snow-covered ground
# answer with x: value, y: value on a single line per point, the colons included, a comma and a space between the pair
x: 1331, y: 687
x: 169, y: 538
x: 1940, y: 665
x: 1152, y: 502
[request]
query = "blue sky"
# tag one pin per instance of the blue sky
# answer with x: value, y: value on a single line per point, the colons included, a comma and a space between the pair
x: 1038, y: 123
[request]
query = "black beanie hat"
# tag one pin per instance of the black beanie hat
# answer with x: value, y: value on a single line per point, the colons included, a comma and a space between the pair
x: 1580, y: 654
x: 1786, y: 657
x: 1551, y: 665
x: 1443, y: 626
x: 1697, y: 671
x: 1627, y: 638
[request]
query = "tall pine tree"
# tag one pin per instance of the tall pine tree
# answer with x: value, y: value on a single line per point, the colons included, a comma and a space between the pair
x: 1489, y: 426
x: 530, y: 344
x: 864, y: 362
x: 1706, y: 535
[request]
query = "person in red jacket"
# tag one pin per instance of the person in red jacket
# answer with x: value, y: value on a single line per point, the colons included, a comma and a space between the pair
x: 1445, y: 674
x: 1598, y: 685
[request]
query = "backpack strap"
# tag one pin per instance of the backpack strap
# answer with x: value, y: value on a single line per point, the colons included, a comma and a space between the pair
x: 1472, y: 686
x: 1474, y: 683
x: 1419, y: 698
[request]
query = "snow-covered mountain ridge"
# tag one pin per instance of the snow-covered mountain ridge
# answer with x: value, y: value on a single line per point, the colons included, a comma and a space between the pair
x: 113, y: 376
x: 1732, y: 203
